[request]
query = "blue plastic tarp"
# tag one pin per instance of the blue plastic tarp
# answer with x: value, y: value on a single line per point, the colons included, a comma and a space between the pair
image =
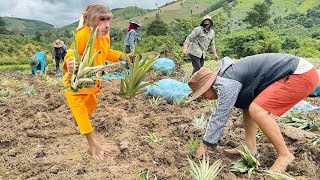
x: 165, y: 65
x: 304, y: 106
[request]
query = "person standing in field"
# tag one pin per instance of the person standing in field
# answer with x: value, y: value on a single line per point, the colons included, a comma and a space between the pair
x: 132, y: 36
x: 198, y: 42
x: 260, y: 85
x: 83, y: 103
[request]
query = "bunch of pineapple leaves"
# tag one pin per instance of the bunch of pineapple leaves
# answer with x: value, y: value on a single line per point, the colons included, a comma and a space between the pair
x: 132, y: 83
x: 315, y: 140
x: 300, y: 121
x: 193, y: 144
x: 85, y: 74
x: 247, y: 164
x: 204, y: 171
x: 145, y: 176
x: 279, y: 176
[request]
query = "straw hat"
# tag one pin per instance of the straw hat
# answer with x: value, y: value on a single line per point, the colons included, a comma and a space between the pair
x: 201, y: 81
x: 34, y: 61
x: 58, y: 43
x: 134, y: 21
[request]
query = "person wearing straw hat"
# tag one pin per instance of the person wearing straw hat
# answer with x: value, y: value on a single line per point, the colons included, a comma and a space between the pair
x: 58, y: 53
x: 259, y: 85
x: 198, y: 42
x: 38, y: 62
x: 132, y: 36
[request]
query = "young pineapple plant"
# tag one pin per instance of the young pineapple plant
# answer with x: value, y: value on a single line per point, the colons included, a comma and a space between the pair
x: 259, y: 135
x: 29, y: 90
x: 279, y: 176
x: 193, y: 144
x: 199, y: 122
x: 153, y: 138
x: 211, y: 105
x: 300, y: 121
x: 180, y: 102
x: 85, y: 75
x: 155, y: 101
x: 144, y: 175
x: 132, y: 83
x: 204, y: 171
x: 247, y: 164
x: 315, y: 140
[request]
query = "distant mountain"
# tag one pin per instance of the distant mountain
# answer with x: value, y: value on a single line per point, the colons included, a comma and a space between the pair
x: 26, y: 26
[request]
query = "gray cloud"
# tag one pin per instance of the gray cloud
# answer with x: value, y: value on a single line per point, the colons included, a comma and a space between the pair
x: 63, y: 12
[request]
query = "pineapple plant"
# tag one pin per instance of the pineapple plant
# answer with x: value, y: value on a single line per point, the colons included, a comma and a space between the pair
x: 199, y: 122
x: 300, y: 121
x: 155, y: 101
x: 204, y: 171
x: 153, y: 138
x: 86, y: 73
x: 247, y: 164
x: 132, y: 83
x: 193, y: 144
x: 279, y: 176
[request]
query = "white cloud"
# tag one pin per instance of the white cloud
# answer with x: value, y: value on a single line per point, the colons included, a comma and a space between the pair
x: 63, y: 12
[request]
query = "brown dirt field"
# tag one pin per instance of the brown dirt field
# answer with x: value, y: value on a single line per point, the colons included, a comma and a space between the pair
x: 40, y: 140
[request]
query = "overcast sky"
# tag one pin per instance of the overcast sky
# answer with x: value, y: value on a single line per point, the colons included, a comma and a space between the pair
x: 63, y: 12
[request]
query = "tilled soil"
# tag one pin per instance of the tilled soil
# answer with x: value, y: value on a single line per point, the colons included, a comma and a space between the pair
x: 39, y: 138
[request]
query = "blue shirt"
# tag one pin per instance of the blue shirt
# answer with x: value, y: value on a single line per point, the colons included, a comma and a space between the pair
x: 42, y: 61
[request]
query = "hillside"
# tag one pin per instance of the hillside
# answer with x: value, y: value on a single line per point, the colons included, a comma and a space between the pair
x: 26, y: 26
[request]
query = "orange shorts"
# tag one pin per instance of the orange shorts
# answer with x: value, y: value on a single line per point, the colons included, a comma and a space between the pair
x: 82, y: 106
x: 283, y: 94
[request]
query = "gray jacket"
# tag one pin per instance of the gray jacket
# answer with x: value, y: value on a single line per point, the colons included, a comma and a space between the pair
x: 199, y: 41
x: 238, y: 84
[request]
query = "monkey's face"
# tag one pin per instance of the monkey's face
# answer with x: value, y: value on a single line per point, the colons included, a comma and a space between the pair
x: 104, y: 22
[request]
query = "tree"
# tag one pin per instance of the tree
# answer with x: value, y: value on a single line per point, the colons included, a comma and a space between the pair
x: 3, y: 29
x: 157, y: 28
x: 258, y: 16
x: 38, y: 36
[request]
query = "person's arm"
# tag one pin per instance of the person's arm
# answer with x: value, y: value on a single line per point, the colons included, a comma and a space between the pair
x: 228, y: 91
x: 213, y: 48
x: 194, y: 34
x: 42, y: 63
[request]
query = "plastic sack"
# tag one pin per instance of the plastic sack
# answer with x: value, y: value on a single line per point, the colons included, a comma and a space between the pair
x: 304, y: 106
x: 164, y: 65
x: 316, y: 92
x: 169, y: 89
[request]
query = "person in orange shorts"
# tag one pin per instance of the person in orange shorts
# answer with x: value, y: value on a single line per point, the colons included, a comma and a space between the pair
x: 259, y: 85
x: 83, y: 103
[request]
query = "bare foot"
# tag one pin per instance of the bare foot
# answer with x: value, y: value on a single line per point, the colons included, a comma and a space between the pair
x: 281, y: 163
x: 235, y: 150
x: 97, y: 151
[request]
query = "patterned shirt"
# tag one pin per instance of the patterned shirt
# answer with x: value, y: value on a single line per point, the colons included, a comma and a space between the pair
x: 132, y: 38
x: 199, y: 41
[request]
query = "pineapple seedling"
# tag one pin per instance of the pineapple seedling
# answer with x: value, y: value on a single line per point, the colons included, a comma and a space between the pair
x: 145, y: 176
x: 85, y: 75
x: 153, y: 138
x: 132, y: 83
x: 199, y: 122
x: 247, y: 164
x: 29, y: 90
x: 155, y: 101
x: 259, y: 135
x: 315, y: 140
x: 204, y: 171
x: 193, y: 144
x: 211, y: 105
x: 50, y: 81
x: 300, y: 121
x: 180, y: 102
x: 279, y: 176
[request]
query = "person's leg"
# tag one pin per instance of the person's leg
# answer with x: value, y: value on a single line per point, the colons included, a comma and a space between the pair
x: 250, y: 129
x: 78, y: 105
x: 195, y: 63
x: 272, y: 131
x: 57, y: 60
x: 202, y: 61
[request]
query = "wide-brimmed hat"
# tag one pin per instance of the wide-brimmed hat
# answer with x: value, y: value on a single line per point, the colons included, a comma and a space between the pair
x: 134, y: 21
x: 58, y: 43
x: 207, y: 17
x: 201, y: 81
x: 34, y: 61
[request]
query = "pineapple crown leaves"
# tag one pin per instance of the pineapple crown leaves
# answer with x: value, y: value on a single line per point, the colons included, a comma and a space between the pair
x: 82, y: 74
x: 132, y: 84
x: 204, y: 171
